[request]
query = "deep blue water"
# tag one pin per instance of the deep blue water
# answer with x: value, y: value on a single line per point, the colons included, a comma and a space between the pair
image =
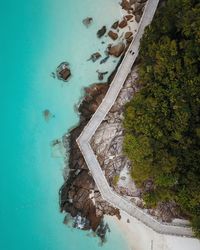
x: 36, y: 35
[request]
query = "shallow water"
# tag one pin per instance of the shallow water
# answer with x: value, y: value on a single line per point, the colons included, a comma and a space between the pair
x: 37, y: 35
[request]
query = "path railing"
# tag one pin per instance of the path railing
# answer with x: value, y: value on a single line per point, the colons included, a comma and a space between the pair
x: 84, y: 139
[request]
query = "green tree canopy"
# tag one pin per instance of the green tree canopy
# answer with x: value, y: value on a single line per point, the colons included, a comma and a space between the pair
x: 162, y: 121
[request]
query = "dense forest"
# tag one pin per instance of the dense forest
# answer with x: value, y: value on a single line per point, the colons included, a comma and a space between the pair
x: 162, y: 121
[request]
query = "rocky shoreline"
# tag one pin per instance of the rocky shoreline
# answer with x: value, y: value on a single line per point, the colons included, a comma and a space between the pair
x: 79, y: 195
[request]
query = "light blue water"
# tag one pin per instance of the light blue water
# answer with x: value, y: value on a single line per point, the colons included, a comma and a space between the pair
x: 36, y: 35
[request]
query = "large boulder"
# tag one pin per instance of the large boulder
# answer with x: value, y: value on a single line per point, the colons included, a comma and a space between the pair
x: 117, y: 50
x: 138, y: 17
x: 123, y: 24
x: 138, y: 7
x: 128, y: 34
x: 115, y: 25
x: 128, y: 17
x: 101, y: 32
x: 126, y: 5
x: 112, y: 35
x: 63, y: 72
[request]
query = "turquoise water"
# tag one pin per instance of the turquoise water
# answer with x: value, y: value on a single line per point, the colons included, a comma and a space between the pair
x: 36, y: 35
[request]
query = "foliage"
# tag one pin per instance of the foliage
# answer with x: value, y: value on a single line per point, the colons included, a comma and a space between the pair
x: 115, y: 180
x: 162, y: 121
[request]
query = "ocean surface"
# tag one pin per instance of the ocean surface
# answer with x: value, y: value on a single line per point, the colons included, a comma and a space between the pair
x: 36, y: 36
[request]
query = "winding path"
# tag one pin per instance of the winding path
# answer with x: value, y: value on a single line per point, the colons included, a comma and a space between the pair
x: 84, y: 139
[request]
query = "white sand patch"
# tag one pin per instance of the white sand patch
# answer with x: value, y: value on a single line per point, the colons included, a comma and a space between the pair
x: 141, y: 237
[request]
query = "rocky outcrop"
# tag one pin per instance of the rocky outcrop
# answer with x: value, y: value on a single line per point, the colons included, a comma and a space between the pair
x: 79, y: 195
x: 63, y: 72
x: 139, y: 9
x: 115, y: 25
x: 117, y: 50
x: 128, y: 36
x: 101, y: 32
x: 128, y: 17
x: 126, y: 5
x: 112, y: 35
x: 133, y: 7
x: 123, y: 24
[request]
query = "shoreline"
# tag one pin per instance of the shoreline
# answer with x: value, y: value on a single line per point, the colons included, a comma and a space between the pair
x: 88, y: 172
x: 141, y: 237
x: 79, y: 195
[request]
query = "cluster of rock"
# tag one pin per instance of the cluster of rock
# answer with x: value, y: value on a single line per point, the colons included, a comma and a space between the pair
x: 134, y: 10
x: 135, y: 7
x: 79, y: 195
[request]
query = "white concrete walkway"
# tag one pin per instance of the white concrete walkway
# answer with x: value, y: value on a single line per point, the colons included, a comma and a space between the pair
x: 84, y: 139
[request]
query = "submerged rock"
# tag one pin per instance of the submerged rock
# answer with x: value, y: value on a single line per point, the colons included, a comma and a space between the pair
x: 101, y: 75
x: 102, y: 230
x: 95, y: 56
x: 104, y: 59
x: 87, y: 21
x: 53, y: 74
x: 101, y: 32
x: 47, y: 114
x: 79, y: 195
x: 63, y: 72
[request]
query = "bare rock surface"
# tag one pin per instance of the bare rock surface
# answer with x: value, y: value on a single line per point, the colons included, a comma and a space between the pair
x: 112, y: 35
x: 108, y: 139
x: 63, y: 72
x: 122, y: 24
x: 79, y: 195
x: 117, y: 50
